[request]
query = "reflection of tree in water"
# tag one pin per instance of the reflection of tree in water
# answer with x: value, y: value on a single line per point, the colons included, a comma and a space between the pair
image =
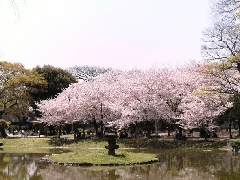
x: 51, y: 171
x: 109, y: 173
x: 139, y: 172
x: 18, y: 166
x: 112, y: 174
x: 178, y: 164
x: 173, y: 165
x: 199, y: 164
x: 3, y: 165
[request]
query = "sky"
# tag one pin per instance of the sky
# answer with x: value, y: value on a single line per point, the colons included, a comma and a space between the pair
x: 122, y: 34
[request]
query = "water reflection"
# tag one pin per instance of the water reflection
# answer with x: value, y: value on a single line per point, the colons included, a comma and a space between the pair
x: 19, y: 166
x: 173, y: 165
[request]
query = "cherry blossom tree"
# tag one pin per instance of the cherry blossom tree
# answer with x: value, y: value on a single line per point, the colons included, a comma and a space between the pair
x: 123, y: 98
x: 201, y: 109
x: 140, y: 97
x: 81, y: 101
x: 223, y: 78
x: 204, y: 102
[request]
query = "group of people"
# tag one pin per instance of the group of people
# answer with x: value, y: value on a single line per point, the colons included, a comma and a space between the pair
x: 79, y: 135
x: 178, y: 135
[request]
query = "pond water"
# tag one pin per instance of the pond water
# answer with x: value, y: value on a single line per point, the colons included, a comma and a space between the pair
x: 174, y: 164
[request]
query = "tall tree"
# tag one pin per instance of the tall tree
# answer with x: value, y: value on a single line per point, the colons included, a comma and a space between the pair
x: 123, y: 98
x: 80, y: 101
x: 58, y: 79
x: 16, y: 86
x: 222, y: 44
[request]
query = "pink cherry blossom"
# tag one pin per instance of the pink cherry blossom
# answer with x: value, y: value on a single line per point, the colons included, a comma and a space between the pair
x: 125, y: 97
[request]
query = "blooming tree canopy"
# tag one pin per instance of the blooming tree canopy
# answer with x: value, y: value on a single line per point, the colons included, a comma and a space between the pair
x: 123, y: 98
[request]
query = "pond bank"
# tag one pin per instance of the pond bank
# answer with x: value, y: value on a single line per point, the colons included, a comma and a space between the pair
x: 25, y: 144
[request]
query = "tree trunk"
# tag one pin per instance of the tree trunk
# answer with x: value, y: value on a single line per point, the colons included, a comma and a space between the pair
x: 230, y: 128
x: 96, y: 126
x: 168, y: 127
x: 180, y: 132
x: 169, y: 132
x: 206, y: 136
x: 204, y: 133
x: 239, y: 127
x: 3, y: 132
x: 1, y: 114
x: 2, y: 129
x: 101, y: 132
x: 51, y: 130
x: 96, y: 129
x: 60, y: 130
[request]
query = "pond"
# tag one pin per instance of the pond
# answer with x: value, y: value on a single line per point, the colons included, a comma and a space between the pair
x: 173, y: 164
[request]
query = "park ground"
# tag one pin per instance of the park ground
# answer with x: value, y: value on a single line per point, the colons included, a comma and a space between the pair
x: 67, y: 141
x: 66, y: 149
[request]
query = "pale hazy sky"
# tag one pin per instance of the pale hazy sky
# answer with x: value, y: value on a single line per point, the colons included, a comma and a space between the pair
x: 109, y: 33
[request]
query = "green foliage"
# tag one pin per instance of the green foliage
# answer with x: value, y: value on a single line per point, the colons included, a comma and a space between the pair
x: 215, y: 67
x: 16, y: 83
x: 4, y: 123
x: 234, y: 59
x: 57, y: 79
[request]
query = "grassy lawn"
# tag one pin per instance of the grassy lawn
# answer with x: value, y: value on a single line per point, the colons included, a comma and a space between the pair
x: 26, y: 142
x: 101, y: 157
x: 100, y: 143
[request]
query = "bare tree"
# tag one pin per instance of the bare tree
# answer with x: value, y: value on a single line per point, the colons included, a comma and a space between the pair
x: 225, y: 8
x: 221, y: 41
x: 87, y: 73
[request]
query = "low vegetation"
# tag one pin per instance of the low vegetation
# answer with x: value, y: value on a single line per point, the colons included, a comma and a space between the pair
x: 22, y: 143
x: 100, y: 157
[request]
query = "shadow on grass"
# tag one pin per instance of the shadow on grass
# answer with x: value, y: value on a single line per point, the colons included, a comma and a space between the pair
x: 170, y: 144
x: 65, y: 142
x: 59, y: 151
x: 120, y: 155
x: 60, y: 142
x: 142, y: 143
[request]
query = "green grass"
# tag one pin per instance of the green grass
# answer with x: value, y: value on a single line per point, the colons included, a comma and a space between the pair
x: 171, y: 144
x: 101, y: 157
x: 39, y: 144
x: 83, y: 144
x: 235, y: 140
x: 47, y: 142
x: 26, y: 142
